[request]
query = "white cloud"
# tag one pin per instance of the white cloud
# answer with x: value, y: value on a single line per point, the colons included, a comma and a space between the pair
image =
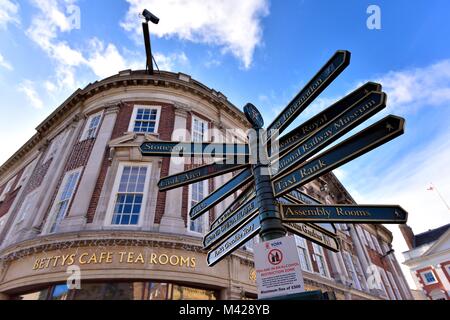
x: 409, y: 90
x: 9, y: 11
x: 5, y: 64
x: 28, y: 88
x: 169, y: 62
x: 233, y: 25
x: 103, y: 59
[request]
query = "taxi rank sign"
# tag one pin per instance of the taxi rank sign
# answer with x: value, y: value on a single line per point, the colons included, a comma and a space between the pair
x: 273, y: 168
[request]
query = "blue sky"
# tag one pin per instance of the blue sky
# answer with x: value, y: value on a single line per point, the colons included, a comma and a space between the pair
x: 257, y: 51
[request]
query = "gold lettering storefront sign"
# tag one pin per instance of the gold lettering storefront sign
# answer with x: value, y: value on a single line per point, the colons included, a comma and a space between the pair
x: 109, y: 257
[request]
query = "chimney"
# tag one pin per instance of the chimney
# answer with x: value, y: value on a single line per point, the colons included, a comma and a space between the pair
x: 408, y: 235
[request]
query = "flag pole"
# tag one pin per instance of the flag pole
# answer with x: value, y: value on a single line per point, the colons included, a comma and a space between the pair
x: 433, y: 187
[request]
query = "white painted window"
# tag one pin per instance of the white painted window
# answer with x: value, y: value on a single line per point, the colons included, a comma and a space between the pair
x: 383, y: 287
x: 369, y: 239
x: 319, y: 257
x: 145, y: 119
x: 129, y: 195
x: 64, y: 198
x: 28, y: 206
x: 199, y: 131
x: 197, y: 192
x: 92, y: 126
x: 351, y: 270
x: 2, y: 223
x: 55, y: 146
x: 303, y: 253
x: 26, y: 173
x: 360, y: 272
x: 361, y: 235
x: 387, y: 284
x: 394, y: 286
x: 7, y: 189
x: 376, y: 244
x: 428, y: 277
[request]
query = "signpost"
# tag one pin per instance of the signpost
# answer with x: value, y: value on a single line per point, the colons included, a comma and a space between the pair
x: 381, y: 132
x: 344, y: 214
x: 272, y: 204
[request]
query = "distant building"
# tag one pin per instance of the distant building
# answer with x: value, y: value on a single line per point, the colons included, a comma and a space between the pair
x: 428, y: 259
x: 79, y: 194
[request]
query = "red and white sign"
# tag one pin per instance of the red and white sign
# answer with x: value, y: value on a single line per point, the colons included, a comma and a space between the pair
x: 278, y: 270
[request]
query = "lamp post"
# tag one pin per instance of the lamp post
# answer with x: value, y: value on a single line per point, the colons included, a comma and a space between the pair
x: 148, y: 47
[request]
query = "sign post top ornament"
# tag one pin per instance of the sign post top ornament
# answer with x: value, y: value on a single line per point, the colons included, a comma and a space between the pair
x: 273, y: 173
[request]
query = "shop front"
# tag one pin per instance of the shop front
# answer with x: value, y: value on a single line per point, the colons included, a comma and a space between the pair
x: 154, y: 267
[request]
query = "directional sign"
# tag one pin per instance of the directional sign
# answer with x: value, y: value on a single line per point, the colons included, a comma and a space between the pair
x: 234, y: 241
x: 351, y: 118
x: 239, y: 201
x: 182, y: 149
x: 381, y: 132
x: 321, y: 80
x: 323, y: 118
x: 198, y: 174
x: 235, y: 220
x: 253, y: 116
x: 223, y: 192
x: 344, y: 213
x: 299, y: 197
x: 313, y: 234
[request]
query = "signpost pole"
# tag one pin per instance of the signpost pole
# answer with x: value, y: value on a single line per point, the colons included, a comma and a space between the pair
x: 270, y: 218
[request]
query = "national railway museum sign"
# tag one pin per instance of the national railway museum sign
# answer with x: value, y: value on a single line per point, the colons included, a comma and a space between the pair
x: 277, y: 167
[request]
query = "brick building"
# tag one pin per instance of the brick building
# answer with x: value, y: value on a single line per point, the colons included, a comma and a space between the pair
x: 79, y: 197
x: 428, y: 259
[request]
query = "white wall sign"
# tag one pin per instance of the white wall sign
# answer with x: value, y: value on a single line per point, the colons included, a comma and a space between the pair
x: 278, y: 271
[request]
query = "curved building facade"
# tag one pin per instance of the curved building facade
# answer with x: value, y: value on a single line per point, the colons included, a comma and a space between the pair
x: 79, y: 204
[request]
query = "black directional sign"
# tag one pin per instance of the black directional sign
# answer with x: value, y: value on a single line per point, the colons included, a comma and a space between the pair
x: 351, y: 118
x: 253, y: 116
x: 298, y: 197
x: 355, y: 146
x: 344, y: 214
x: 234, y: 241
x: 239, y: 201
x: 314, y: 234
x: 198, y: 174
x: 245, y: 212
x: 183, y: 149
x: 223, y: 192
x: 321, y: 80
x: 323, y: 118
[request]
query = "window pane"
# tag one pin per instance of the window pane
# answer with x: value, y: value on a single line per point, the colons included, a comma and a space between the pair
x: 145, y: 120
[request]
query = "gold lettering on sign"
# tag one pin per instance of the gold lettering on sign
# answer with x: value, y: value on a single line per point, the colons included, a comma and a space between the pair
x: 105, y: 257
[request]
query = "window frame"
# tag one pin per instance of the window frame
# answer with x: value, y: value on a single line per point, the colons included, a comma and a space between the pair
x: 8, y: 188
x: 51, y: 152
x: 205, y: 134
x: 132, y: 124
x: 205, y: 216
x: 27, y: 172
x: 53, y: 213
x: 321, y: 254
x: 115, y: 190
x: 425, y: 281
x: 30, y: 198
x: 2, y: 222
x: 307, y: 256
x: 86, y: 129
